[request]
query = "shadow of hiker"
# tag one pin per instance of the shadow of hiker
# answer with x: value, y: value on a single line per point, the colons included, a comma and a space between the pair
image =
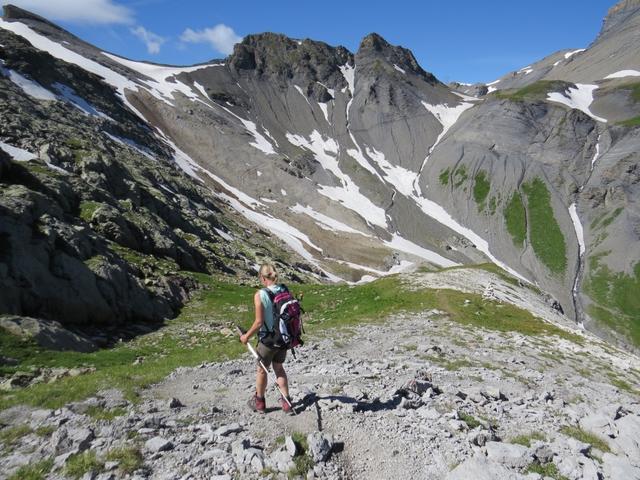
x: 410, y: 397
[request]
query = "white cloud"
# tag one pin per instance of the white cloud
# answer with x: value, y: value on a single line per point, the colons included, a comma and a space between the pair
x: 220, y: 37
x: 78, y: 11
x: 150, y: 39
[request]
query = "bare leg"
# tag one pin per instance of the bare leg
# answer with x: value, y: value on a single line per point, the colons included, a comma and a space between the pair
x: 281, y: 377
x: 261, y: 382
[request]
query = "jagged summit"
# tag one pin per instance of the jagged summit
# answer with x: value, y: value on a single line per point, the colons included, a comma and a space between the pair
x: 374, y: 47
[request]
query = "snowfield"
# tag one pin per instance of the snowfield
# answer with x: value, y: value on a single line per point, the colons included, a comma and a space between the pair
x: 579, y: 98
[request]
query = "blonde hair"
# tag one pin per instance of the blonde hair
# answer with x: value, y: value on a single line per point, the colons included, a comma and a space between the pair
x: 268, y: 271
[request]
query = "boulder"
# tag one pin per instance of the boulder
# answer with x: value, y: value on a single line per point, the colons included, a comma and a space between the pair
x: 47, y: 333
x: 479, y: 468
x: 320, y: 446
x: 509, y: 454
x: 615, y: 467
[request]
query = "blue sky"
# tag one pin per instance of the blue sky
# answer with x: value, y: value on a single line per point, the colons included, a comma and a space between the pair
x: 465, y: 40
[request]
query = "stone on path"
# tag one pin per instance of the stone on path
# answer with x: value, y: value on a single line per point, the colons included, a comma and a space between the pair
x: 225, y: 430
x: 320, y: 446
x: 158, y: 444
x: 291, y: 446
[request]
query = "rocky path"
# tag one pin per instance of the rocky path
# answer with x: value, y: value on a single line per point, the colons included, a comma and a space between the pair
x: 419, y: 396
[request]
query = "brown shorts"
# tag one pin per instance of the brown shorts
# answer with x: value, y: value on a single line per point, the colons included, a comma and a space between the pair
x: 268, y: 355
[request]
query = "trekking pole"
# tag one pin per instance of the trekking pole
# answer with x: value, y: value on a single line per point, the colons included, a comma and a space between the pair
x: 270, y: 374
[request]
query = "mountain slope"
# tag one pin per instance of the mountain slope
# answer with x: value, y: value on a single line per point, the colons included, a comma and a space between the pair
x: 365, y: 163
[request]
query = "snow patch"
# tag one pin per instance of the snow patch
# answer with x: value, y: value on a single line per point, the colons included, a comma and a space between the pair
x: 325, y: 222
x: 228, y: 237
x: 597, y: 154
x: 283, y: 192
x: 438, y: 213
x: 399, y: 243
x: 258, y: 173
x: 325, y: 111
x: 468, y: 98
x: 577, y: 227
x: 348, y: 194
x: 201, y: 89
x: 579, y: 98
x: 623, y: 73
x: 163, y: 84
x: 401, y: 178
x: 331, y: 91
x: 492, y: 83
x: 261, y: 143
x: 399, y: 69
x: 358, y: 156
x: 18, y: 154
x: 80, y: 103
x: 447, y: 116
x: 349, y: 74
x: 526, y: 70
x: 127, y: 142
x: 572, y: 53
x: 28, y: 86
x: 268, y: 200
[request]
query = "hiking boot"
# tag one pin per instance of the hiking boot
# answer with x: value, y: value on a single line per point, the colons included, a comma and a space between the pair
x: 257, y: 404
x: 286, y: 408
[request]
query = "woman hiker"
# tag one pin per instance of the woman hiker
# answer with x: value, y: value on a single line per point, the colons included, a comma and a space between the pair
x: 263, y: 324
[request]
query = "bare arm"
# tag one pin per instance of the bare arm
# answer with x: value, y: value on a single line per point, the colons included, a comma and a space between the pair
x: 257, y: 323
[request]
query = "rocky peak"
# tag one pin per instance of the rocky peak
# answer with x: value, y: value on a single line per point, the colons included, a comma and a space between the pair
x: 619, y: 15
x: 277, y: 55
x: 11, y: 12
x: 374, y: 49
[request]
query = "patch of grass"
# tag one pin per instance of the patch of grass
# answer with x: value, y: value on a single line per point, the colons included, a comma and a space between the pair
x: 87, y: 209
x: 129, y: 459
x: 79, y: 464
x: 528, y: 438
x: 616, y: 297
x: 144, y: 262
x: 45, y: 431
x: 632, y: 122
x: 12, y: 435
x: 459, y: 176
x: 622, y: 384
x: 516, y: 219
x: 449, y: 365
x: 493, y: 205
x: 481, y: 187
x: 608, y: 220
x: 444, y: 176
x: 100, y: 413
x: 303, y: 461
x: 536, y: 91
x: 544, y: 232
x: 587, y: 437
x: 221, y: 303
x: 547, y: 470
x: 471, y: 421
x: 35, y: 471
